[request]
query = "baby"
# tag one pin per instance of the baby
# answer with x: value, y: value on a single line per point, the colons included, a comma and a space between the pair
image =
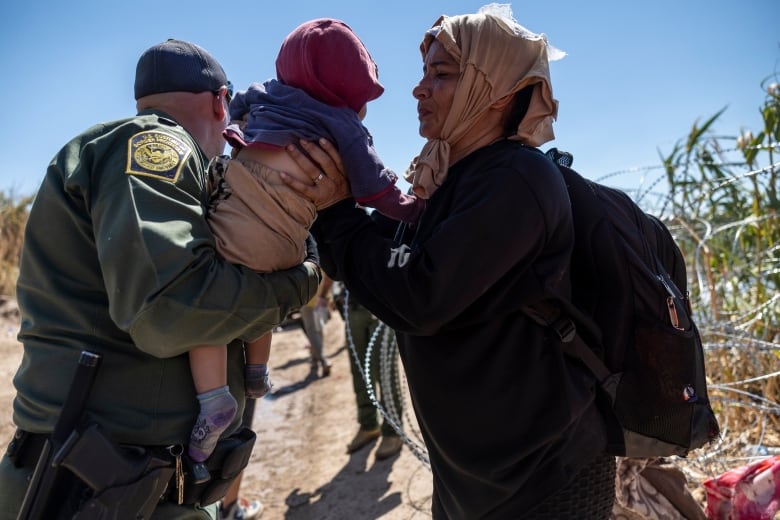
x: 325, y: 78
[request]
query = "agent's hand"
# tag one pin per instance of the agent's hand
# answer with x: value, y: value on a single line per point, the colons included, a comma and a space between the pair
x: 323, y: 181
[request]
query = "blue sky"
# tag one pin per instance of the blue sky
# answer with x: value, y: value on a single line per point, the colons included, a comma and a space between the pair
x: 636, y: 78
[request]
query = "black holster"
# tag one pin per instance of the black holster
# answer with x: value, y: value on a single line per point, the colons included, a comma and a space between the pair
x: 126, y: 482
x: 129, y: 481
x: 225, y: 464
x: 102, y: 480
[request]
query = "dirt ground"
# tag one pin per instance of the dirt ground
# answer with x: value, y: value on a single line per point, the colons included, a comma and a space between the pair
x: 299, y: 468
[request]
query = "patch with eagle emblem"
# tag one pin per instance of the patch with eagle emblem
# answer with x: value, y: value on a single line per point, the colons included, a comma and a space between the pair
x: 156, y: 154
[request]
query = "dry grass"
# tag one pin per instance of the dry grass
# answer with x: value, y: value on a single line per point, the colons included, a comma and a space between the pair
x: 744, y: 387
x: 13, y: 218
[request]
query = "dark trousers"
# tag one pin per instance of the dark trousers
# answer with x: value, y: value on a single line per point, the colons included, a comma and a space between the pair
x: 362, y: 325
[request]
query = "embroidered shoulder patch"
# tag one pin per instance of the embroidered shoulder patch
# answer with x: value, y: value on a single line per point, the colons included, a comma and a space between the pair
x: 156, y: 154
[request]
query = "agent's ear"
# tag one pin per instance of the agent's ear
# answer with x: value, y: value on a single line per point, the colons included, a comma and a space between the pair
x: 220, y: 105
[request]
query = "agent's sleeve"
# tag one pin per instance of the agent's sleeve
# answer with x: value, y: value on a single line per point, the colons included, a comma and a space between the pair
x: 167, y: 286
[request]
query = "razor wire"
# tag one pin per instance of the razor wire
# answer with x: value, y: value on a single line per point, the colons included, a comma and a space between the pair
x: 390, y: 381
x: 717, y: 334
x: 396, y: 414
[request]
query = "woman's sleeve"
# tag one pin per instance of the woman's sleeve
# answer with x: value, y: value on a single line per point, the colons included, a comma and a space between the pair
x: 495, y: 229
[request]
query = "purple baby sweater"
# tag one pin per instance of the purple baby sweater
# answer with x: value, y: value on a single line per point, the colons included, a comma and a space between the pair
x: 277, y: 114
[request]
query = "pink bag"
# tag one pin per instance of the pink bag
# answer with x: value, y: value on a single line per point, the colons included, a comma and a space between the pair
x: 750, y: 492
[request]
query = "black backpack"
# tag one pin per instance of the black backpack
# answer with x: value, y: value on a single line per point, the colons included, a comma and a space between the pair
x: 630, y: 323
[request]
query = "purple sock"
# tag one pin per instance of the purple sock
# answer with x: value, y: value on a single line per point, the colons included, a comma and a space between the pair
x: 217, y: 409
x: 257, y: 381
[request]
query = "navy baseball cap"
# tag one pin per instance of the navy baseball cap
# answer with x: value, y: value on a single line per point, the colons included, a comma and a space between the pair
x: 177, y: 66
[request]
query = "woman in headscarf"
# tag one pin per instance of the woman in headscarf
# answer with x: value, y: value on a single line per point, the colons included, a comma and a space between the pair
x: 510, y: 423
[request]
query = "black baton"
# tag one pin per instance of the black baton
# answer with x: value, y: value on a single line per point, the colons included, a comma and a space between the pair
x: 40, y: 500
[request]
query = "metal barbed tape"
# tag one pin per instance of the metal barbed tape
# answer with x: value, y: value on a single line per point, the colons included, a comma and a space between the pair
x: 388, y: 350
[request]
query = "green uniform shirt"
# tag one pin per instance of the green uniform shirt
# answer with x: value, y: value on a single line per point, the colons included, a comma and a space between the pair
x: 119, y: 259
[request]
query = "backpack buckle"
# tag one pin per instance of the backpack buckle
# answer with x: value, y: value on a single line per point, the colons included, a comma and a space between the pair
x: 565, y: 329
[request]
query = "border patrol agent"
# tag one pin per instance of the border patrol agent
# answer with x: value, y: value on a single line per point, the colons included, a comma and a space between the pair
x: 119, y: 260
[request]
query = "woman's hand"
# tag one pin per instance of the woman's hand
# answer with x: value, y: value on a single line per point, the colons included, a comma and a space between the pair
x: 323, y: 180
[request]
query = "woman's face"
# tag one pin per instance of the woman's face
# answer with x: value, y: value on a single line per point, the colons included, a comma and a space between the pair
x: 436, y: 89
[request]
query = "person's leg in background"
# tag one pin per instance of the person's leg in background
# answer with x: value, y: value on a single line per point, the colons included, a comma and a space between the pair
x: 391, y: 441
x: 313, y: 325
x: 361, y: 325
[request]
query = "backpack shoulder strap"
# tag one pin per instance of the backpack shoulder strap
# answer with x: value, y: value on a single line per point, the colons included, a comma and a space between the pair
x: 549, y: 314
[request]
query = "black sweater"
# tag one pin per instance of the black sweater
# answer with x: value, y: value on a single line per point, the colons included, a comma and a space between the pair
x: 506, y: 419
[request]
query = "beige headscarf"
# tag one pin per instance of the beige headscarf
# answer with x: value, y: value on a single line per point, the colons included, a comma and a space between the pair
x: 497, y: 57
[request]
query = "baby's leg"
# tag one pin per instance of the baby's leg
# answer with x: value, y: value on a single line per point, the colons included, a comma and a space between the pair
x: 257, y: 353
x: 208, y: 365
